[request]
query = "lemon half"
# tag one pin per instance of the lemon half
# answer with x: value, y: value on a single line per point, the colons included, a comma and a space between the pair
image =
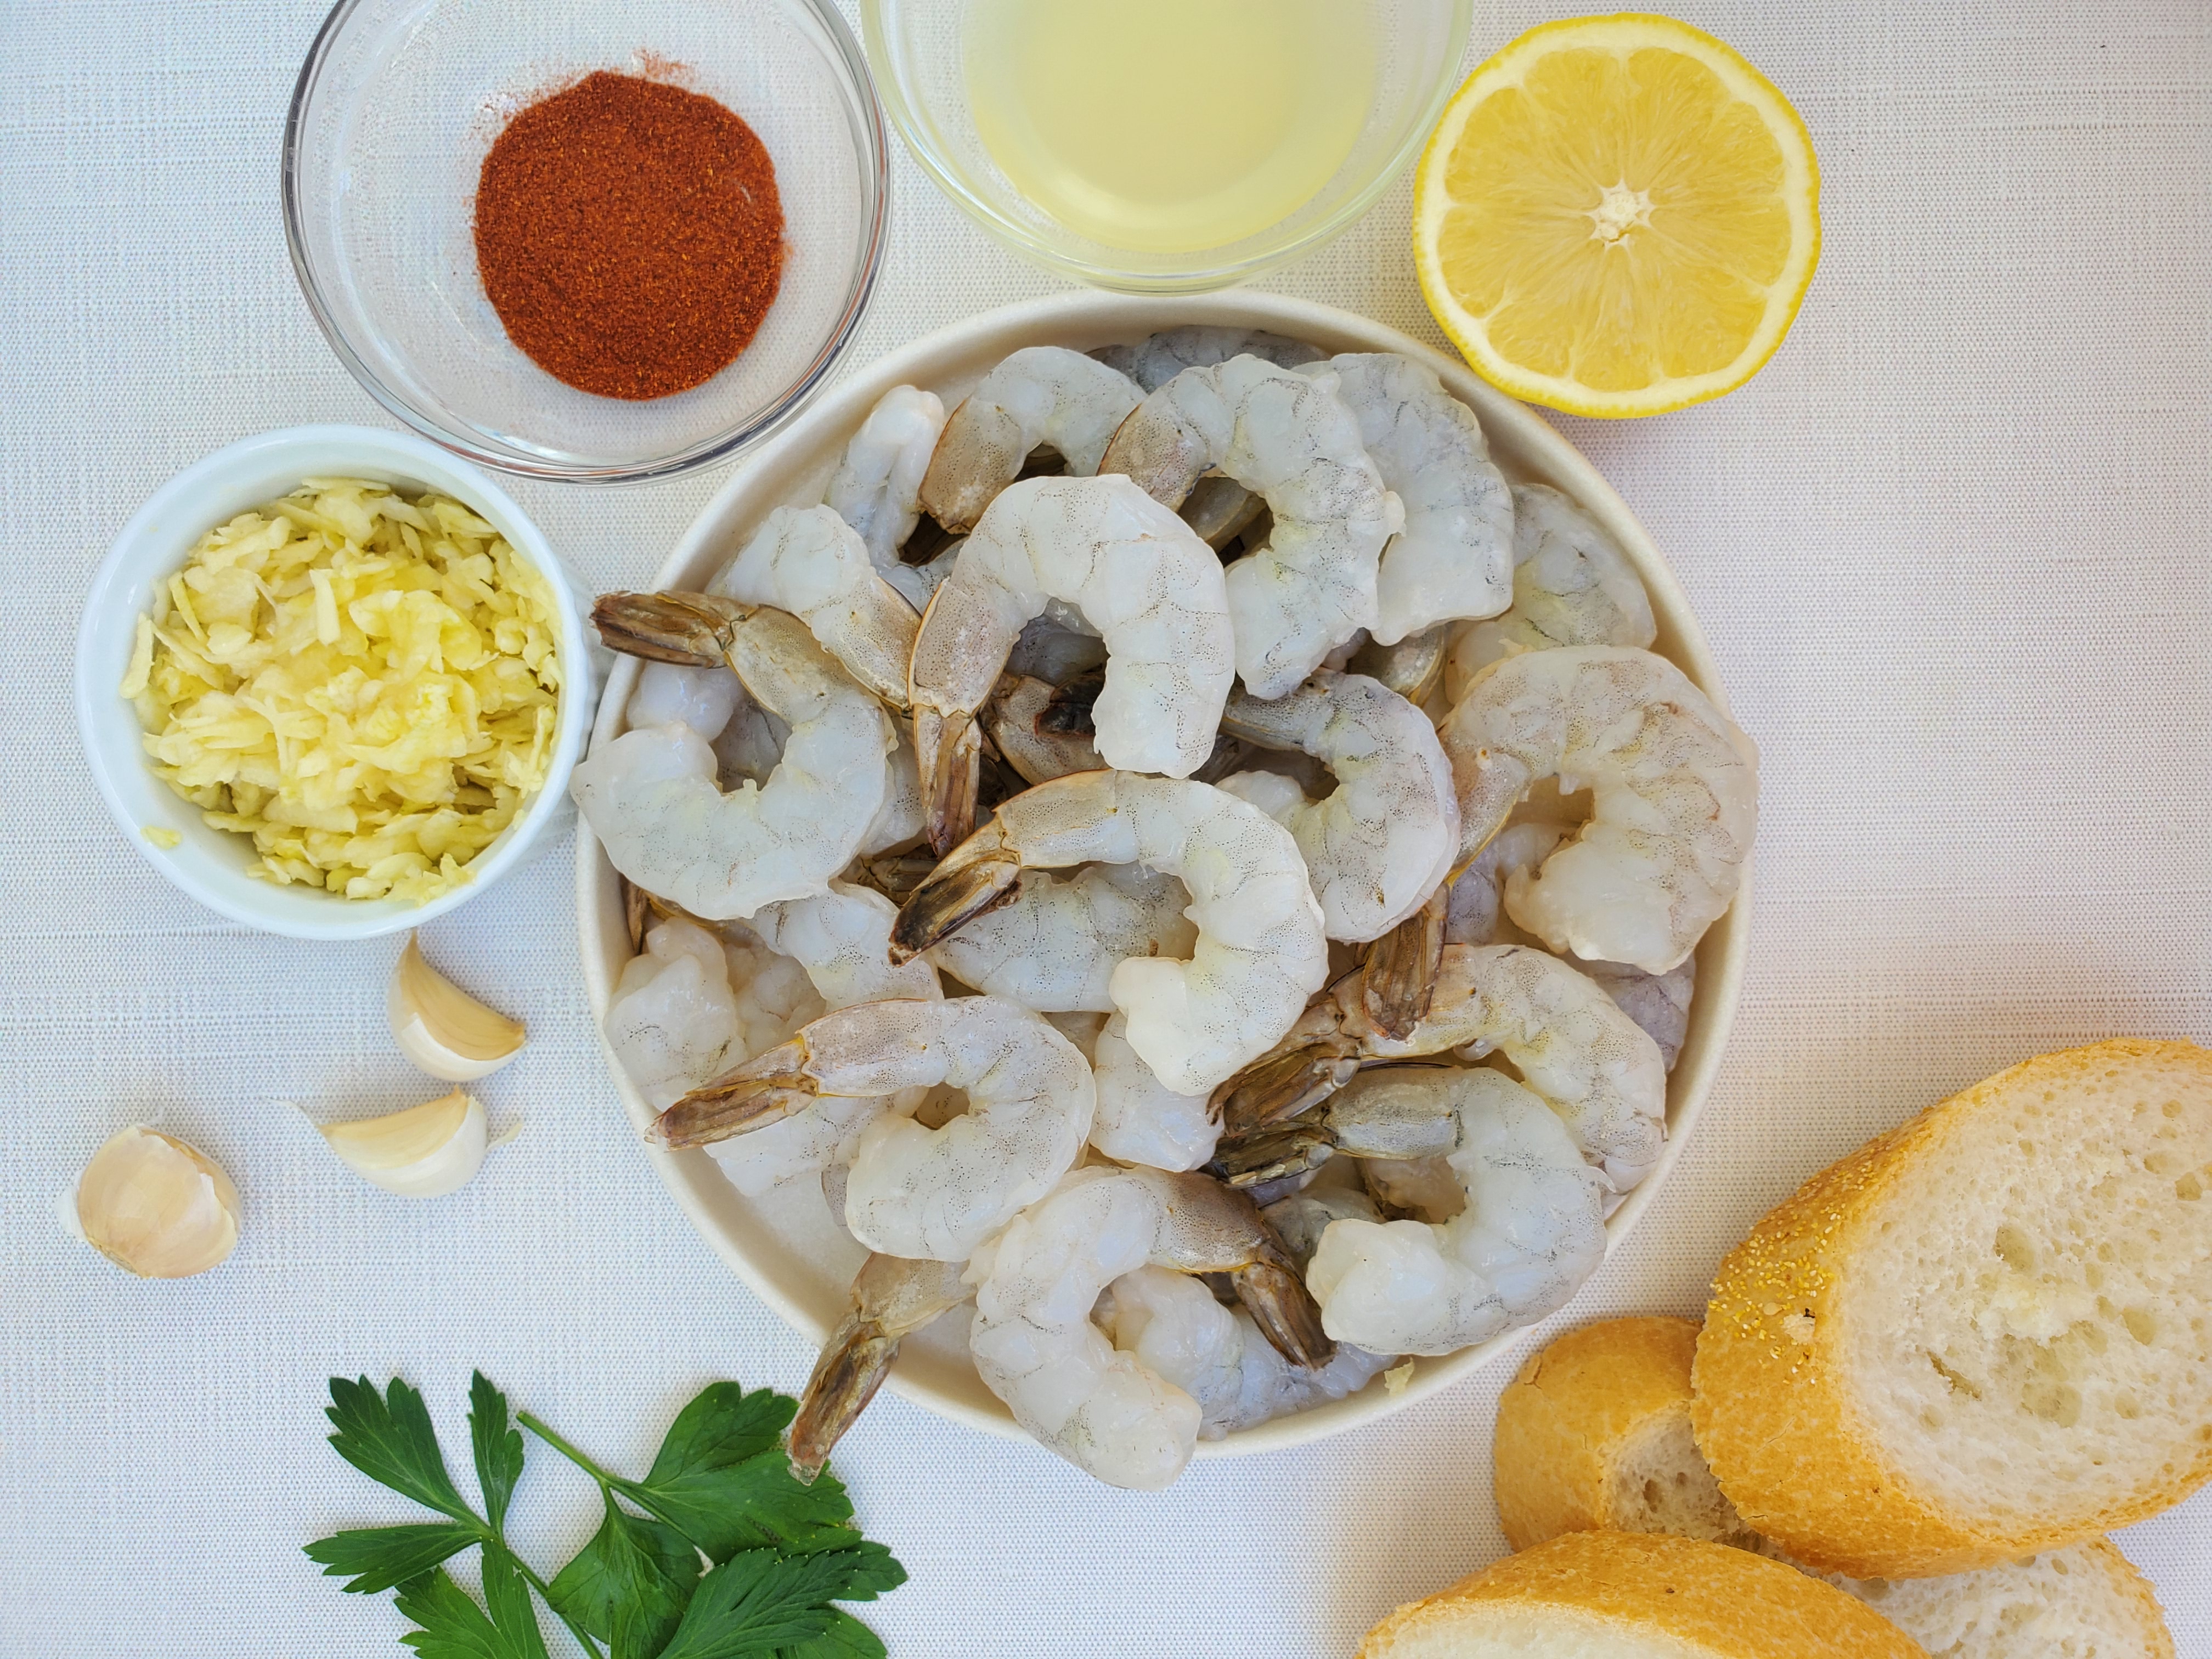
x: 1617, y: 215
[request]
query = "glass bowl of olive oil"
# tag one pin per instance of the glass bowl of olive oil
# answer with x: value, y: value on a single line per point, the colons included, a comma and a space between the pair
x: 1164, y: 146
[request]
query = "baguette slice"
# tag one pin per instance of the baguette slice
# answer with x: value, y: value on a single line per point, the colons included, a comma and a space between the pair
x: 1637, y: 1596
x: 1595, y: 1431
x: 1985, y: 1334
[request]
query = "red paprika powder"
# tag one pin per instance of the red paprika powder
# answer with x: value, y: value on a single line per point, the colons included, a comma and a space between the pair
x: 629, y: 235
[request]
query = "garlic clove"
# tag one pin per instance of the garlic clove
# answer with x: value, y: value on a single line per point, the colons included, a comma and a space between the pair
x: 442, y: 1028
x: 155, y: 1207
x: 425, y: 1151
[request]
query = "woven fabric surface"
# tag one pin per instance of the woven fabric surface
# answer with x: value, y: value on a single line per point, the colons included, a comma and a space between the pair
x: 1951, y: 548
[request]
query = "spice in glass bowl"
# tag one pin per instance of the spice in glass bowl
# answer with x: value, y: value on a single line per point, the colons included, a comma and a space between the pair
x: 629, y: 235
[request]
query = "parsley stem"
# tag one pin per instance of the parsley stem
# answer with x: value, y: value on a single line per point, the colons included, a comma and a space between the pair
x: 565, y: 1450
x: 583, y: 1638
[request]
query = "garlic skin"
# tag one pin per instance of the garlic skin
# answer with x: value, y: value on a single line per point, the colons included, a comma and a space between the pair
x: 155, y: 1207
x: 425, y: 1151
x: 442, y: 1028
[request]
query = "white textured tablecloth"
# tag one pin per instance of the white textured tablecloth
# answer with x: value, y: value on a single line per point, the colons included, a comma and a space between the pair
x: 1951, y: 548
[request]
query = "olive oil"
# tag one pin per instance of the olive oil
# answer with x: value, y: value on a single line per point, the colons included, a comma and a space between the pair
x: 1168, y: 126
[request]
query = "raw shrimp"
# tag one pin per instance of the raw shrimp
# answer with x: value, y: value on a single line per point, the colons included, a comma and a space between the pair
x: 1158, y: 358
x: 650, y: 795
x: 1533, y: 1229
x: 918, y: 583
x: 1571, y: 586
x: 1037, y: 1282
x: 1040, y: 395
x: 842, y: 939
x: 1300, y: 1220
x: 1413, y: 667
x: 811, y: 563
x: 1675, y: 786
x: 1023, y: 721
x: 1055, y: 947
x: 1569, y: 1040
x: 893, y: 1297
x: 1475, y: 915
x: 672, y: 1020
x: 1140, y: 1119
x: 1260, y: 952
x: 1135, y: 571
x: 876, y: 488
x: 1289, y: 439
x: 915, y: 1191
x: 1455, y: 557
x: 1378, y: 846
x: 670, y: 694
x: 1171, y: 1326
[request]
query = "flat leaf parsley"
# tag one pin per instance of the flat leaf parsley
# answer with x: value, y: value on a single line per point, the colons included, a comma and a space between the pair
x: 719, y: 1553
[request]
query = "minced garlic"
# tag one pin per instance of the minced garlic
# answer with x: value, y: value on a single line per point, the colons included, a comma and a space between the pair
x: 366, y: 685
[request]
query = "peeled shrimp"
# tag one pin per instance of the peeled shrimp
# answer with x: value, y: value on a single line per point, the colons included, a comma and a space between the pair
x: 670, y: 694
x: 1455, y: 557
x: 1170, y: 1325
x: 1289, y: 439
x: 876, y: 488
x: 672, y: 1020
x: 1475, y: 915
x: 1572, y: 1044
x: 651, y: 798
x: 811, y: 563
x: 842, y: 938
x: 1376, y: 847
x: 915, y: 1191
x: 1158, y: 358
x: 1135, y: 571
x: 1041, y: 395
x: 1571, y: 586
x: 893, y: 1297
x: 1260, y: 952
x: 1055, y: 947
x: 1676, y: 796
x: 1140, y: 1119
x: 1037, y: 1281
x: 1533, y: 1229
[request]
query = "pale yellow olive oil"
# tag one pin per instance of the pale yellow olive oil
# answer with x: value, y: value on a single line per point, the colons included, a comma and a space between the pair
x: 1166, y: 125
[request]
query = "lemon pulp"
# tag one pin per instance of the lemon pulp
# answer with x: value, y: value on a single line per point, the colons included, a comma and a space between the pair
x: 1168, y: 126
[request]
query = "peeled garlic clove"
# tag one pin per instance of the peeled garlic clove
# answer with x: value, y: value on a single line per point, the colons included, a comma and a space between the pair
x: 442, y: 1028
x: 425, y: 1151
x: 156, y: 1206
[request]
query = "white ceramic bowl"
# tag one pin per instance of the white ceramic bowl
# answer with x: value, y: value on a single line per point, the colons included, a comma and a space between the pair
x: 788, y: 1247
x: 210, y: 865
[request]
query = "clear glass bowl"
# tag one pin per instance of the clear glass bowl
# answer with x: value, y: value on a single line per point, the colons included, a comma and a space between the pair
x: 916, y: 49
x: 398, y: 103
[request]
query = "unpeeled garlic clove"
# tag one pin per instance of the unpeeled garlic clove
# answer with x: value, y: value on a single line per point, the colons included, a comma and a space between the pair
x: 442, y: 1028
x: 156, y: 1206
x: 425, y: 1151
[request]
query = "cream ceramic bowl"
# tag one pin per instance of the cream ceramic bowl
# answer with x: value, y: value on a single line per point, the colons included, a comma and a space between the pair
x: 210, y: 865
x: 788, y: 1247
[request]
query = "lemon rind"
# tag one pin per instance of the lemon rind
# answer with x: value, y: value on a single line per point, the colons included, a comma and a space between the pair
x: 1623, y: 31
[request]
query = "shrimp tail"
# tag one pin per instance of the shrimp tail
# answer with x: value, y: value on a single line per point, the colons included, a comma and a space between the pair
x: 766, y: 1088
x: 690, y: 630
x: 852, y: 1365
x: 1275, y: 1295
x: 949, y: 750
x: 1272, y: 1155
x: 1398, y: 982
x: 980, y: 875
x: 1298, y: 1074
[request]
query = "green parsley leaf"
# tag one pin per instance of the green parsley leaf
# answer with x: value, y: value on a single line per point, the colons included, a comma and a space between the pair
x: 507, y: 1597
x: 453, y: 1626
x: 755, y: 1602
x: 630, y: 1585
x: 391, y: 1440
x: 870, y: 1569
x: 498, y: 1448
x: 846, y: 1638
x: 378, y: 1557
x: 723, y: 1479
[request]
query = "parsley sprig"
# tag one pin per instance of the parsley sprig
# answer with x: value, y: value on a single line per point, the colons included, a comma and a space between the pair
x: 719, y: 1553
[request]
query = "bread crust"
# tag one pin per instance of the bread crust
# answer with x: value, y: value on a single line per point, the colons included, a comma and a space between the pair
x: 1724, y: 1602
x: 2132, y: 1588
x: 1769, y: 1406
x: 1564, y: 1418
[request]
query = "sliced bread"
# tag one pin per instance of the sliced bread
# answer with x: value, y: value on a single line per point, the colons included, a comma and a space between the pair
x: 1595, y: 1431
x: 1985, y: 1334
x: 1635, y: 1596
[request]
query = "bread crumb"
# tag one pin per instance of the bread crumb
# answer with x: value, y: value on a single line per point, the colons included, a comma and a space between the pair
x: 1396, y: 1379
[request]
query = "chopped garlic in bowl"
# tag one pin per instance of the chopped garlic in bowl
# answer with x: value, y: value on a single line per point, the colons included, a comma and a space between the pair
x: 366, y: 685
x: 440, y: 723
